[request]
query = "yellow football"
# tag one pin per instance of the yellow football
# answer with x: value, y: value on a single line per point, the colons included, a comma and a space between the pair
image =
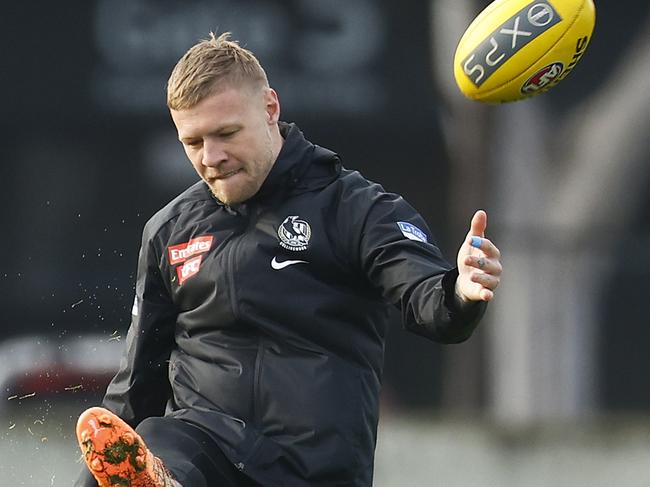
x: 515, y: 49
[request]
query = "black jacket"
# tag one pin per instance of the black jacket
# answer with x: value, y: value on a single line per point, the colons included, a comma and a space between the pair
x: 281, y: 362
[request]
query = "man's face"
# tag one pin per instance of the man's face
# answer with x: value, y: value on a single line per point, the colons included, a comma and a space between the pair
x: 232, y: 139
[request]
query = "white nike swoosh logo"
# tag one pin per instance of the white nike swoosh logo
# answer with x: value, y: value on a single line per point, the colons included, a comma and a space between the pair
x: 281, y: 265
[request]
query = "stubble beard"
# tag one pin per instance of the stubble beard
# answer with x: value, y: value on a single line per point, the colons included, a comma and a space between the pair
x: 249, y: 187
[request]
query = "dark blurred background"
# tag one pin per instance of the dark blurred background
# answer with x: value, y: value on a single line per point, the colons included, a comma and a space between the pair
x: 89, y: 153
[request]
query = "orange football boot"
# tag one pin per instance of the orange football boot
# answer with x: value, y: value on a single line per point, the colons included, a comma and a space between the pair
x: 116, y: 455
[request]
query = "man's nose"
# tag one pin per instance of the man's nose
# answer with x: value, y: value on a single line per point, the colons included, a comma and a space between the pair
x: 213, y: 154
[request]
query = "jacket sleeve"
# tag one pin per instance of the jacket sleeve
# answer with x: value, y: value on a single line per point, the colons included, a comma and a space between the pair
x: 140, y: 388
x: 400, y: 259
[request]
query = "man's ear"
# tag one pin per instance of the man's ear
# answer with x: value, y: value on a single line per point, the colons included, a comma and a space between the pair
x: 272, y: 105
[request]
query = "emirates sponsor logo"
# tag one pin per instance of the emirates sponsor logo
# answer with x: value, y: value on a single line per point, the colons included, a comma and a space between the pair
x: 181, y: 252
x: 189, y: 254
x: 188, y: 269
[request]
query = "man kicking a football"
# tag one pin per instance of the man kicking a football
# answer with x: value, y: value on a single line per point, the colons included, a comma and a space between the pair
x: 255, y: 351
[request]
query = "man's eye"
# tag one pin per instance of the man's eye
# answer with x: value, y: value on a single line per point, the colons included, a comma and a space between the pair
x: 193, y: 143
x: 230, y: 133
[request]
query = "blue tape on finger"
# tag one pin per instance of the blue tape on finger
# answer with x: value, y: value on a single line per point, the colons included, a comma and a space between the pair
x: 476, y: 242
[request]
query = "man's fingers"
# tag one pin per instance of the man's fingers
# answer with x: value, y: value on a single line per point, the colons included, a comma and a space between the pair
x: 486, y: 295
x: 489, y: 266
x: 481, y: 268
x: 488, y: 281
x: 485, y: 245
x: 479, y: 224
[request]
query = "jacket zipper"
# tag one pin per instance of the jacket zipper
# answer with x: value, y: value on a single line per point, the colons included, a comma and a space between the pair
x: 232, y: 257
x: 257, y: 413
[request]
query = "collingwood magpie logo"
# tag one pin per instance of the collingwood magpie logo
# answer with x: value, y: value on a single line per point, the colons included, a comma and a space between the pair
x: 294, y: 233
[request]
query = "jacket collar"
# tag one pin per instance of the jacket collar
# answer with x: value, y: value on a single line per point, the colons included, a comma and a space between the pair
x: 295, y: 154
x: 301, y: 166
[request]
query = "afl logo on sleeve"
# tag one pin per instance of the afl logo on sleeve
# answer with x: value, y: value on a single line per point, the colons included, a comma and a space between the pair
x: 294, y: 233
x: 412, y: 232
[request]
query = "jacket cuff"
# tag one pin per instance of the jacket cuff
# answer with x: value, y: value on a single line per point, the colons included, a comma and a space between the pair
x: 470, y: 310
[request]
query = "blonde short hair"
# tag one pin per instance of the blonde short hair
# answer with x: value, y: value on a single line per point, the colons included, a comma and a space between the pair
x: 210, y: 65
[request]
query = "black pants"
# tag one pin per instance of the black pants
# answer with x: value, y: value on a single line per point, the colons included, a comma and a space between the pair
x: 189, y: 454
